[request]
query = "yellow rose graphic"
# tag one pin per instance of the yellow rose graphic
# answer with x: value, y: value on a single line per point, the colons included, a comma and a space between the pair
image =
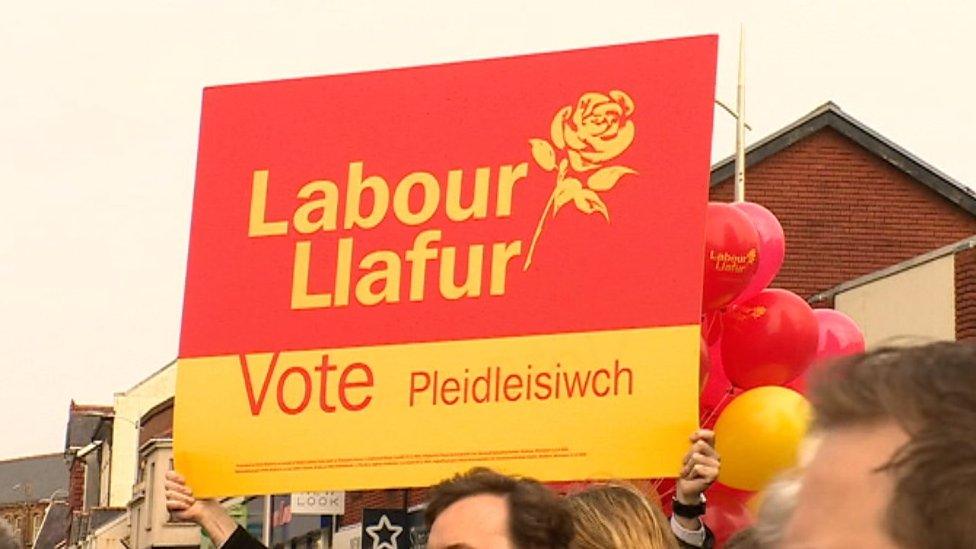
x: 584, y: 138
x: 597, y: 130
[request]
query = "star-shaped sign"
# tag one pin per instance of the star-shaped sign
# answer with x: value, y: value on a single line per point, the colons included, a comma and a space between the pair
x: 386, y: 531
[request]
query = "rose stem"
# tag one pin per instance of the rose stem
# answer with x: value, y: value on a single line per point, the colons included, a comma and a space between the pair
x: 538, y: 230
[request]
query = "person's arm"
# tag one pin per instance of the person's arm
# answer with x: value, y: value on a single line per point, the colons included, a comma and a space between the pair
x: 209, y: 514
x: 699, y: 470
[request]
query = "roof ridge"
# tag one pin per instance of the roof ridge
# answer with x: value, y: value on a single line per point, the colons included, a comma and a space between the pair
x: 147, y: 378
x: 917, y: 260
x: 35, y: 456
x: 829, y: 114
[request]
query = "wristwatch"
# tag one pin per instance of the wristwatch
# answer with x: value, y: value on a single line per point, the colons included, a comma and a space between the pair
x: 688, y: 511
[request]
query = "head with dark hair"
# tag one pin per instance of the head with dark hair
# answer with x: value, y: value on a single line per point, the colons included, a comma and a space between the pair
x: 896, y: 463
x: 482, y: 509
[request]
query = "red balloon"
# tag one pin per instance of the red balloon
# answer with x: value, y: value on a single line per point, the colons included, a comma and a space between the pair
x: 801, y: 383
x: 839, y: 336
x: 772, y: 247
x: 727, y: 511
x: 731, y: 254
x: 769, y: 339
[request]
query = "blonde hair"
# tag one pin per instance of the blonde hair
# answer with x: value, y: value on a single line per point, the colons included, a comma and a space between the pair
x: 618, y: 516
x: 778, y: 500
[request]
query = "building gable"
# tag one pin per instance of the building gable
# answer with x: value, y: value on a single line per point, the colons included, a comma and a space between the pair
x: 850, y: 201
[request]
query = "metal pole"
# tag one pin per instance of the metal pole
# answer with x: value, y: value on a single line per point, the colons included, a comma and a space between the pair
x: 740, y: 128
x: 731, y: 112
x: 266, y: 526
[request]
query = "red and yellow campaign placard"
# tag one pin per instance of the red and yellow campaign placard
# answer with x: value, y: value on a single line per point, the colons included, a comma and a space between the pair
x: 398, y: 275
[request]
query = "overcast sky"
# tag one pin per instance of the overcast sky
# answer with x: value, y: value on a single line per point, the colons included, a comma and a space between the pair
x: 100, y: 101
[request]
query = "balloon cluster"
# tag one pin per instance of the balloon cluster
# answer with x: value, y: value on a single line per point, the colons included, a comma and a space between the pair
x: 758, y: 345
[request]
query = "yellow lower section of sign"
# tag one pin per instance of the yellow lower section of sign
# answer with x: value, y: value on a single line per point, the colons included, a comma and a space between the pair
x: 596, y: 405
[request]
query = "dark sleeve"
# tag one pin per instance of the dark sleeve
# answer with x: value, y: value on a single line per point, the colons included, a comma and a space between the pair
x: 240, y: 539
x: 709, y: 538
x: 708, y: 544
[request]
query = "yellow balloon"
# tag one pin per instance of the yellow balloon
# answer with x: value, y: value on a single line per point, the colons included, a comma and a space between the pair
x: 758, y: 435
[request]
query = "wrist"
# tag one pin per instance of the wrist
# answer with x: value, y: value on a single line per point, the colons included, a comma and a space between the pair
x: 208, y: 510
x: 686, y: 509
x: 688, y: 499
x: 689, y: 531
x: 215, y: 521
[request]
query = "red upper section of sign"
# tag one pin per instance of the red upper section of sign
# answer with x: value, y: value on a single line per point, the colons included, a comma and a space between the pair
x: 643, y: 268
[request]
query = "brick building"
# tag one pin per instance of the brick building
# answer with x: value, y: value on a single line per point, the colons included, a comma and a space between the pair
x: 965, y: 292
x: 87, y: 439
x: 851, y: 202
x: 88, y: 452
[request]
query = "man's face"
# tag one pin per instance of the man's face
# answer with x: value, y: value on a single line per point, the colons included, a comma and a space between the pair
x: 475, y: 522
x: 844, y: 497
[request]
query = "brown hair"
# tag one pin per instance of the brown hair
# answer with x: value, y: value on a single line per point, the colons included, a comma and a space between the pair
x: 746, y: 538
x: 538, y: 518
x: 618, y: 516
x: 930, y: 392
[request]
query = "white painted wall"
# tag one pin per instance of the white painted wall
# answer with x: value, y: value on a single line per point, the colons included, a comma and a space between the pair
x: 916, y: 303
x: 129, y: 407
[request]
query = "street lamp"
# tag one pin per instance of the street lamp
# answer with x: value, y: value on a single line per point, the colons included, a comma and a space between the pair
x: 50, y: 502
x: 26, y: 487
x: 50, y: 498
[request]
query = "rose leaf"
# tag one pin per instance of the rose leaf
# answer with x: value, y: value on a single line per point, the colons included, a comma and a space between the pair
x: 566, y: 190
x: 543, y: 153
x: 605, y: 179
x: 587, y: 201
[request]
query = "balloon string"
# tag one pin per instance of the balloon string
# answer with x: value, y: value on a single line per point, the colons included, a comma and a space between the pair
x: 656, y: 485
x: 711, y: 414
x: 708, y: 323
x: 728, y: 394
